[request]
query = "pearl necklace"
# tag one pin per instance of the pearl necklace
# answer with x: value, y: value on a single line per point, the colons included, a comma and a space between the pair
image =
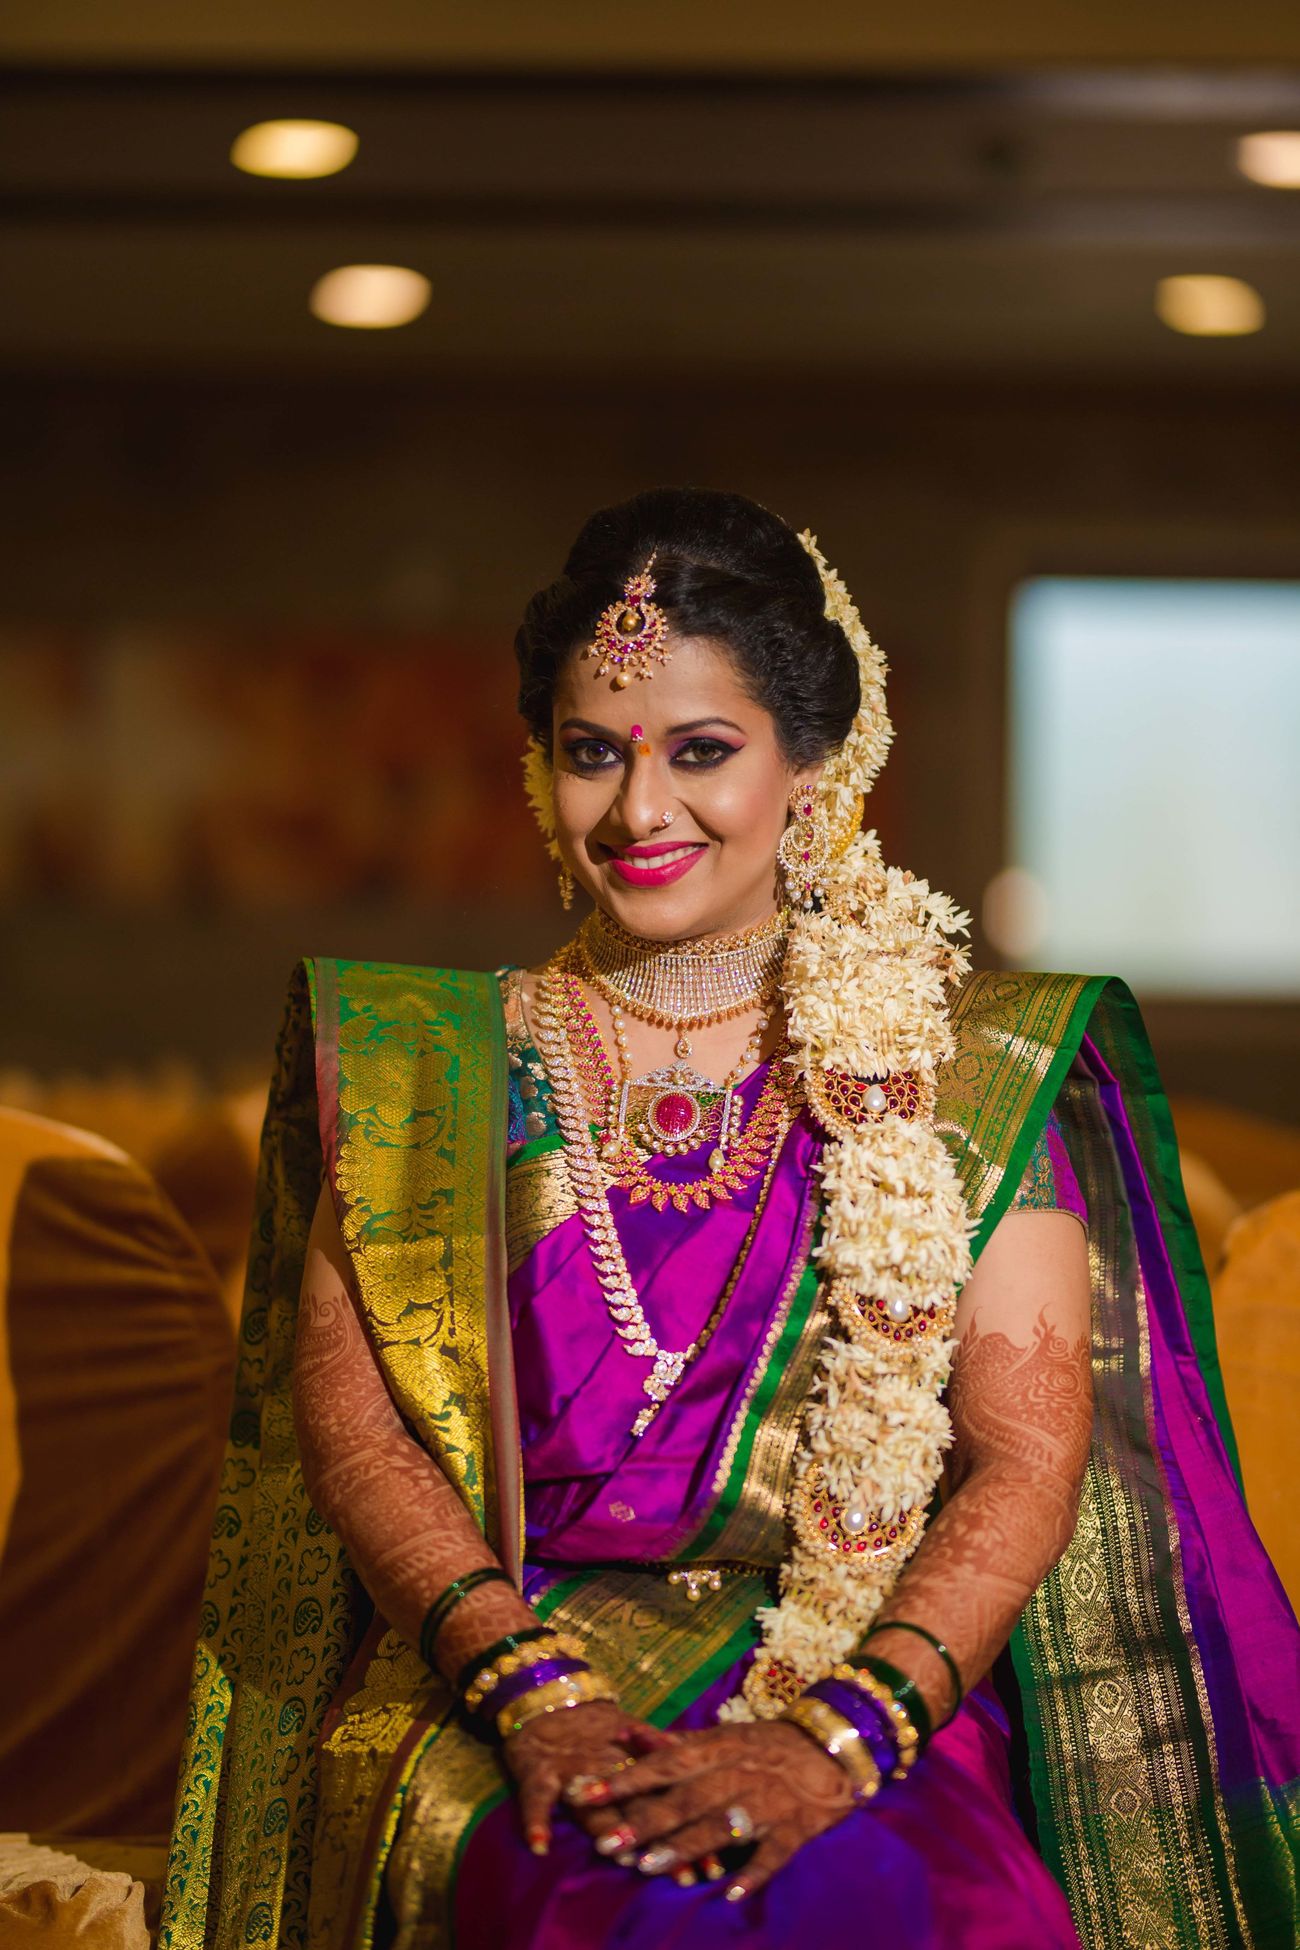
x: 622, y: 1301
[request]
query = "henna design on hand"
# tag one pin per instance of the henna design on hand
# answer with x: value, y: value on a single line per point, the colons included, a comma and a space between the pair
x: 673, y: 1806
x: 594, y: 1740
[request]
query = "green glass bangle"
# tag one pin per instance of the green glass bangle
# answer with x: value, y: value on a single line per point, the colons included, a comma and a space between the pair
x: 446, y: 1602
x: 510, y: 1643
x: 902, y: 1686
x: 903, y: 1625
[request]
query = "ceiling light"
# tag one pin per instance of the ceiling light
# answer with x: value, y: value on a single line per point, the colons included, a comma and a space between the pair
x: 370, y: 296
x: 1272, y: 156
x: 1209, y: 306
x: 297, y: 149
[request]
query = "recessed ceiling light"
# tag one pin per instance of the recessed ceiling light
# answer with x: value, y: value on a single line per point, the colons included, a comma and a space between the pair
x: 1271, y: 156
x: 296, y: 149
x: 370, y: 296
x: 1208, y: 306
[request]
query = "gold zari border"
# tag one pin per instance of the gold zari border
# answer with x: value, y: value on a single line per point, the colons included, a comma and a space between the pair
x: 1118, y: 1746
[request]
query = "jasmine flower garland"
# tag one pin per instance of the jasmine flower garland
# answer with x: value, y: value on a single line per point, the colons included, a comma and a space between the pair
x: 865, y: 985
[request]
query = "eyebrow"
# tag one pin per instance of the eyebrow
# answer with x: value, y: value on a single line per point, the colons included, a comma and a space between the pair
x: 674, y: 731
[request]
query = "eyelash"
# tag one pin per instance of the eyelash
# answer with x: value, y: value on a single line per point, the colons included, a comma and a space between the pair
x: 721, y: 752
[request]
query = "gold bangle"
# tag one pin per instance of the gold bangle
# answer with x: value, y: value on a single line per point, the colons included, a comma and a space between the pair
x: 905, y: 1734
x: 575, y: 1689
x: 556, y: 1645
x: 837, y: 1736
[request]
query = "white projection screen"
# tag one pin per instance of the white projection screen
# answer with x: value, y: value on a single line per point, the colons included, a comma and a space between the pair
x: 1154, y: 779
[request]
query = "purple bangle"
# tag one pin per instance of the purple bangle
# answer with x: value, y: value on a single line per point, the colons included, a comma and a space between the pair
x: 864, y: 1713
x: 516, y: 1684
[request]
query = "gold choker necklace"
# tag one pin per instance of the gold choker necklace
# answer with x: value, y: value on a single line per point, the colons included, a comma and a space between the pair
x: 687, y: 984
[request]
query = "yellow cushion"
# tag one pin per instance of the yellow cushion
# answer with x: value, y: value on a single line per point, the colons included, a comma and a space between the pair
x: 1257, y: 1317
x: 117, y: 1371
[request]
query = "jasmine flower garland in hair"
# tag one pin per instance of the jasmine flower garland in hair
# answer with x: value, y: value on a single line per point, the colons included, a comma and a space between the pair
x: 865, y: 985
x: 539, y: 788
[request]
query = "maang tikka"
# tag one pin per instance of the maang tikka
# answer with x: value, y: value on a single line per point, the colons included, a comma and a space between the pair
x: 630, y: 634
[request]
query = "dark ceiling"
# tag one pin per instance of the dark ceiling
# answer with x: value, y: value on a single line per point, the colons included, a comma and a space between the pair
x: 867, y: 216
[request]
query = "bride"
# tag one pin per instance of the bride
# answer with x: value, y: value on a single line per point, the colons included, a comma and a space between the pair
x: 728, y: 1442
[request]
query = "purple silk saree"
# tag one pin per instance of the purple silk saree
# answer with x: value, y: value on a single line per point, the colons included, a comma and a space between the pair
x: 938, y: 1860
x: 329, y: 1798
x: 1162, y: 1741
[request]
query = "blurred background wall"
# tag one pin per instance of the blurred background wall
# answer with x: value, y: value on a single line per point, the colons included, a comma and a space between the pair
x: 898, y: 279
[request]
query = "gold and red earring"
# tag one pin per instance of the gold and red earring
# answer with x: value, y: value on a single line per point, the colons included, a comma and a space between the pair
x: 803, y: 852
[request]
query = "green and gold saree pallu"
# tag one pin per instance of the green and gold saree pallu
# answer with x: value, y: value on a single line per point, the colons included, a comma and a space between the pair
x: 391, y: 1080
x: 323, y: 1765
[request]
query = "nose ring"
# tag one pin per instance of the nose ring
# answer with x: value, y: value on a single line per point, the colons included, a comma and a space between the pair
x: 667, y: 820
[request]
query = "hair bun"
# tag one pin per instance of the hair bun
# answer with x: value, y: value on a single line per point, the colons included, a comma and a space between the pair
x: 725, y: 568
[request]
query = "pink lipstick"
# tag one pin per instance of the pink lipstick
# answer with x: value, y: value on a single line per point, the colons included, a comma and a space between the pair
x: 656, y: 863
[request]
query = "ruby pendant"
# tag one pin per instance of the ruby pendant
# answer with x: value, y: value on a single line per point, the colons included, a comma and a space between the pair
x: 674, y: 1116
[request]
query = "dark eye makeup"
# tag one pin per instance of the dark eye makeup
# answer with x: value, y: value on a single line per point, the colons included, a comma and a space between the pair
x: 592, y: 755
x: 701, y: 754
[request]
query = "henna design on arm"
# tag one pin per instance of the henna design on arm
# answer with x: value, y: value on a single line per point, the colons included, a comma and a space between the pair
x: 1021, y: 1406
x: 400, y: 1519
x: 408, y: 1534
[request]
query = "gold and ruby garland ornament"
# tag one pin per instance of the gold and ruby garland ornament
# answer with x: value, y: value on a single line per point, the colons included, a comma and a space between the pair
x: 867, y: 971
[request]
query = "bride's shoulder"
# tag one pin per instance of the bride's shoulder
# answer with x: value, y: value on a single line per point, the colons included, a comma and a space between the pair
x: 985, y: 990
x: 519, y: 985
x: 395, y: 992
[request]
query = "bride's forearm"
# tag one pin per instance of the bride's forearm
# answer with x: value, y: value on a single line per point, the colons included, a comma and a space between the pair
x: 1022, y: 1416
x: 400, y: 1519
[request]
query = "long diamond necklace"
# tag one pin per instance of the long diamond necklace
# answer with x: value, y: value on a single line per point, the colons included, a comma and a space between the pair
x: 587, y: 1177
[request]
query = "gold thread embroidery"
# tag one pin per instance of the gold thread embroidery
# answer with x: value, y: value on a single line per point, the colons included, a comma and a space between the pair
x: 756, y: 1528
x: 1008, y: 1028
x: 416, y: 1102
x: 539, y: 1197
x: 1116, y: 1731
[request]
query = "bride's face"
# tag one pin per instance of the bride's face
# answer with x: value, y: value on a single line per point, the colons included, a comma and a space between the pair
x: 689, y: 742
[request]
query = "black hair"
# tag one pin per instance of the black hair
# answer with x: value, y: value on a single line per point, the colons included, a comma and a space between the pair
x: 724, y: 568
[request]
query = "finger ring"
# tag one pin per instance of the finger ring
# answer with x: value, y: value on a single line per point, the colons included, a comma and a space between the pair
x: 740, y: 1824
x: 580, y: 1784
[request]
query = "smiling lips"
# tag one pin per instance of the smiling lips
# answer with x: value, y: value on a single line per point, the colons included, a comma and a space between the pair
x: 655, y: 864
